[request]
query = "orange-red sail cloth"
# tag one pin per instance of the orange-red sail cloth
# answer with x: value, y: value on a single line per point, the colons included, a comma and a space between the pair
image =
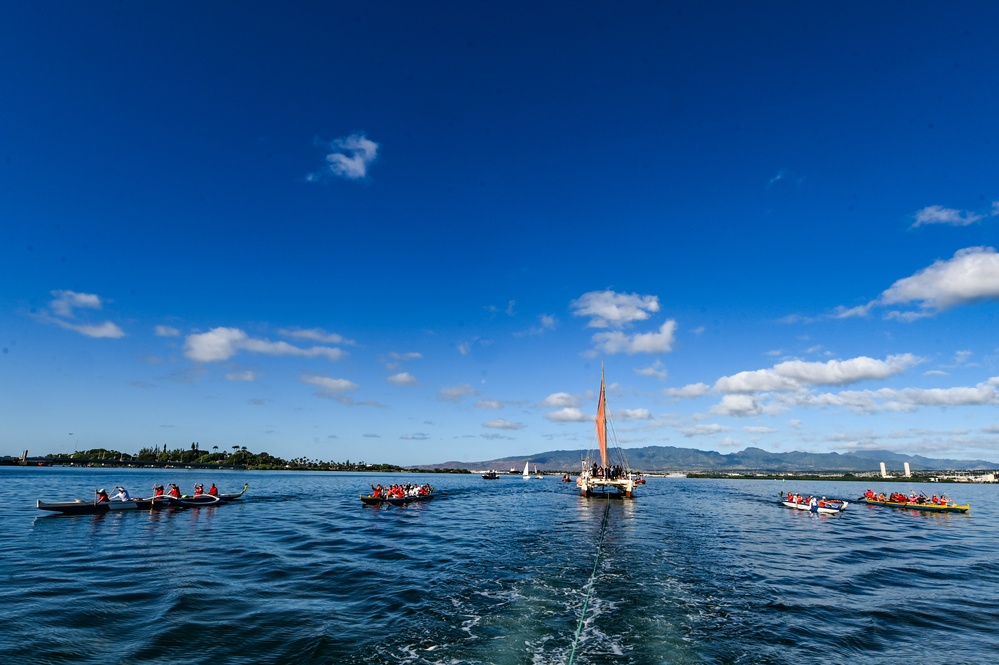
x: 602, y: 425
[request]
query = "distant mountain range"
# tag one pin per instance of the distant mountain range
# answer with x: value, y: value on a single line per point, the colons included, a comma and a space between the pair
x: 669, y: 458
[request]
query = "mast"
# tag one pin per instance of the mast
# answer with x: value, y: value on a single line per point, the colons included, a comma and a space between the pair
x: 602, y: 421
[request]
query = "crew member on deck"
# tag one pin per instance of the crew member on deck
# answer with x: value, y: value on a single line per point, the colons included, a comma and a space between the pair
x: 199, y: 489
x: 214, y: 491
x: 100, y: 496
x: 174, y: 491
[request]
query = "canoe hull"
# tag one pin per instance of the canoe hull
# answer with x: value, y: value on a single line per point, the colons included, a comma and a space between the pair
x: 80, y: 507
x: 924, y: 507
x: 370, y: 500
x: 836, y: 507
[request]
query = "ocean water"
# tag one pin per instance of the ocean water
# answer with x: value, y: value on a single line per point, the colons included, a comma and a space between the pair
x: 506, y: 572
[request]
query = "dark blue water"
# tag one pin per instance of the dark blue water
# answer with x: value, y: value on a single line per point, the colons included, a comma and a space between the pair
x: 491, y: 572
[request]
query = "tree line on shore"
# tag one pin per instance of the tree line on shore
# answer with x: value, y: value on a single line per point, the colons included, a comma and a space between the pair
x: 236, y: 455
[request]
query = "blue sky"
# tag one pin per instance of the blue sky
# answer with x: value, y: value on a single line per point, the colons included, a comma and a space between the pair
x: 412, y: 232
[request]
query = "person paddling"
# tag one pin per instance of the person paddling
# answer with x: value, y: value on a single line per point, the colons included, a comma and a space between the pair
x: 214, y: 491
x: 100, y: 496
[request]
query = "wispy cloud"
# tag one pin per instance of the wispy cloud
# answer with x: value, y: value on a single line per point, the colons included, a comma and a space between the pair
x: 166, y: 331
x: 315, y: 335
x: 350, y: 158
x: 656, y: 370
x: 329, y: 384
x: 62, y: 311
x: 951, y: 216
x: 457, y: 393
x: 500, y: 423
x: 222, y: 343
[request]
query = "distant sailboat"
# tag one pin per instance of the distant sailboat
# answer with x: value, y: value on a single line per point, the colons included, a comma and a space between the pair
x: 537, y: 476
x: 527, y: 472
x: 599, y: 479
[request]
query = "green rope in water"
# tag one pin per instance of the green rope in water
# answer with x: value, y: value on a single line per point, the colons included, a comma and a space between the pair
x: 589, y: 584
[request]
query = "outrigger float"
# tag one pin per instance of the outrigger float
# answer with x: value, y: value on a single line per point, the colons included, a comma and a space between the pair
x: 81, y: 507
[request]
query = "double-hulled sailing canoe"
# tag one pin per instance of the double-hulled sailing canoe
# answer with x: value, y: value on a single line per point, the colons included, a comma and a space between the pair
x: 616, y: 479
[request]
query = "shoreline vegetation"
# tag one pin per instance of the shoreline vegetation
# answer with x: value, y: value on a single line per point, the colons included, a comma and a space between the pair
x: 240, y: 458
x: 196, y: 458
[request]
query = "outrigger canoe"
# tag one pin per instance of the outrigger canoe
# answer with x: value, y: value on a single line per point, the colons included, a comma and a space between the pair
x: 830, y: 506
x: 372, y: 500
x: 81, y: 507
x: 925, y: 507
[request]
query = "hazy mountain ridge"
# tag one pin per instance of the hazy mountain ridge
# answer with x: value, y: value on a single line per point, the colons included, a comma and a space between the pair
x: 670, y: 458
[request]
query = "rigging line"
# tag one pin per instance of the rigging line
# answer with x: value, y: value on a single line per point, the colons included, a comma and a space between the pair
x: 620, y: 450
x: 590, y: 583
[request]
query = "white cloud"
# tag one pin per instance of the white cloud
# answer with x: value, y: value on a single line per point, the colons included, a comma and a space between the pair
x: 949, y: 216
x: 285, y: 349
x: 489, y: 404
x: 411, y: 355
x: 608, y: 309
x: 457, y: 393
x: 759, y: 430
x: 620, y: 342
x: 971, y: 275
x: 215, y: 345
x: 632, y: 414
x: 350, y: 159
x: 67, y: 301
x: 656, y: 370
x: 166, y: 331
x: 62, y: 312
x: 105, y: 330
x: 794, y: 374
x: 568, y: 415
x: 223, y: 343
x: 704, y: 429
x: 560, y: 399
x: 315, y: 335
x: 901, y: 401
x: 737, y: 405
x: 688, y: 391
x: 500, y: 423
x: 330, y: 385
x: 247, y: 375
x: 402, y: 379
